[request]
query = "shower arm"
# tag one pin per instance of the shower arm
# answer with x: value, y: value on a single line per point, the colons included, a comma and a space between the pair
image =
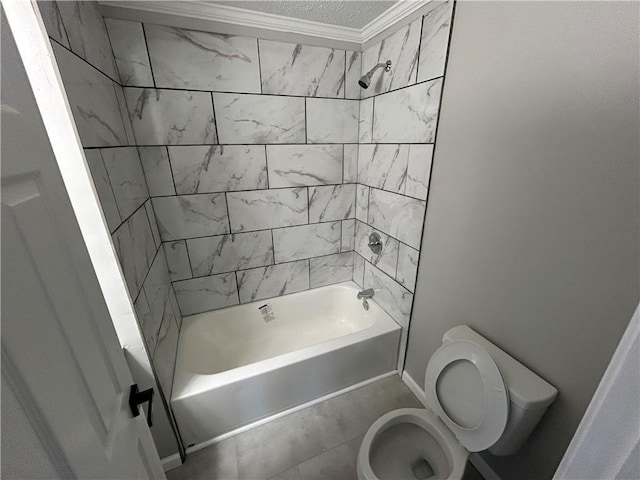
x: 386, y: 66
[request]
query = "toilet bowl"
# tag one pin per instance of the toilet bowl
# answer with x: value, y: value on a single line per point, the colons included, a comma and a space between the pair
x: 478, y: 398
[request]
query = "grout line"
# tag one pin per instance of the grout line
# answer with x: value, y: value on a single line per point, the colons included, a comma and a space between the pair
x: 226, y: 203
x: 315, y: 144
x: 146, y: 46
x: 266, y: 164
x: 173, y: 178
x: 186, y: 247
x: 51, y: 39
x: 215, y: 119
x: 419, y: 46
x: 259, y: 65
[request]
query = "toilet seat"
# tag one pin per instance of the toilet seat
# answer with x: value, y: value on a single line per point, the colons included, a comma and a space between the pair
x: 492, y: 409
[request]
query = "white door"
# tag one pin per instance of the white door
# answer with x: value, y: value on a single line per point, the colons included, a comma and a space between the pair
x: 65, y: 383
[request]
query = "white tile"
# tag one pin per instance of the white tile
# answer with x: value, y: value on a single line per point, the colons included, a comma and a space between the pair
x: 177, y: 260
x: 332, y: 121
x: 134, y: 245
x: 358, y: 270
x: 419, y: 171
x: 126, y: 177
x: 409, y: 115
x: 273, y: 281
x: 164, y: 358
x: 93, y: 101
x: 407, y: 266
x: 348, y: 239
x: 390, y: 295
x: 387, y: 260
x: 217, y: 168
x: 189, y: 216
x: 197, y: 60
x: 383, y: 166
x: 87, y: 35
x: 396, y: 215
x: 301, y: 165
x: 124, y: 115
x: 198, y: 295
x: 401, y: 48
x: 296, y: 69
x: 174, y: 307
x: 335, y: 202
x: 365, y: 125
x: 350, y: 174
x: 171, y: 117
x: 157, y: 286
x: 145, y: 321
x: 260, y: 210
x: 153, y: 223
x: 227, y: 253
x: 103, y: 187
x: 157, y: 171
x: 331, y: 269
x: 354, y: 72
x: 259, y: 119
x: 130, y: 52
x: 52, y: 20
x: 435, y: 37
x: 295, y: 243
x: 362, y: 202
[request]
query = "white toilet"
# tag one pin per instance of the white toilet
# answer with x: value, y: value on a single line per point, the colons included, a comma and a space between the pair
x: 479, y: 398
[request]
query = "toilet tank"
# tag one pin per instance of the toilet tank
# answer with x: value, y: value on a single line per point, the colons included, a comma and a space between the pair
x: 529, y: 395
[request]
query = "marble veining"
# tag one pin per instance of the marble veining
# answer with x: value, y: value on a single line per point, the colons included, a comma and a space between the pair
x: 419, y: 171
x: 218, y: 168
x: 399, y: 216
x: 383, y: 166
x: 354, y: 72
x: 156, y: 288
x: 192, y: 59
x: 171, y: 117
x: 87, y: 35
x: 127, y: 178
x: 301, y: 165
x: 273, y: 281
x: 52, y: 20
x: 202, y: 294
x: 407, y: 266
x: 296, y: 69
x: 402, y: 49
x: 358, y: 270
x: 362, y: 202
x: 435, y: 38
x: 103, y: 188
x: 187, y: 216
x: 348, y: 239
x: 335, y: 202
x: 93, y: 101
x: 177, y: 260
x: 157, y: 171
x: 260, y: 210
x: 146, y: 322
x: 133, y: 242
x: 226, y: 253
x: 165, y: 353
x: 259, y: 119
x: 387, y: 260
x: 295, y: 243
x: 124, y: 115
x: 408, y: 115
x: 130, y: 52
x: 330, y: 269
x: 365, y: 125
x: 390, y: 295
x: 332, y: 121
x: 350, y: 161
x: 151, y: 216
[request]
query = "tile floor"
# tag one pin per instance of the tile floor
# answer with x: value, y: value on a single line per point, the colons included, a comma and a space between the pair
x: 318, y: 442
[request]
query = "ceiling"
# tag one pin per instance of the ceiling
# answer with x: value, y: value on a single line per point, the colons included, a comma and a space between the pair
x: 345, y: 13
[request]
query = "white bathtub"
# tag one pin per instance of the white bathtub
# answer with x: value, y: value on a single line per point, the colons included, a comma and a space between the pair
x: 234, y: 368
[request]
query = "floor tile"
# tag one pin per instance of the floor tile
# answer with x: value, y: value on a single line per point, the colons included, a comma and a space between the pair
x: 339, y: 463
x: 291, y: 474
x: 215, y: 462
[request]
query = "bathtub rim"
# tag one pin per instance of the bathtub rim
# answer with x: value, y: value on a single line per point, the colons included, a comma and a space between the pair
x: 187, y: 384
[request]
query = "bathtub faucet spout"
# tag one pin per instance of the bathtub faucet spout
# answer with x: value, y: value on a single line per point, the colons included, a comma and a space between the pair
x: 368, y: 293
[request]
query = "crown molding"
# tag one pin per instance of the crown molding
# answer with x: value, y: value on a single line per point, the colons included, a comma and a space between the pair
x: 202, y: 11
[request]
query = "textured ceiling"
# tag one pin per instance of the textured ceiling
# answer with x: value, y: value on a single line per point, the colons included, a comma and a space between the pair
x: 346, y: 13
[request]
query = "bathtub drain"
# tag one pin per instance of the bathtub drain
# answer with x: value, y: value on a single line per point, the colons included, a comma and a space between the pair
x: 267, y: 313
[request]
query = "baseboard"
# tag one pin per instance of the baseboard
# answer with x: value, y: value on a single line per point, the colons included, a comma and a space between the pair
x: 415, y: 388
x: 219, y: 438
x: 171, y: 462
x: 483, y: 467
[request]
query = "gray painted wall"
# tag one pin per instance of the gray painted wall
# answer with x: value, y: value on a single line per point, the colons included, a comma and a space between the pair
x: 532, y: 229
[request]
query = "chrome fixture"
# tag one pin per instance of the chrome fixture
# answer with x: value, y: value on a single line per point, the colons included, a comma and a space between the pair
x: 364, y: 295
x: 375, y: 243
x: 365, y: 80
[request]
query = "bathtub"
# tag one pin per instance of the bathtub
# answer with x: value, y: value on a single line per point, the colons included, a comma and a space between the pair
x: 241, y: 364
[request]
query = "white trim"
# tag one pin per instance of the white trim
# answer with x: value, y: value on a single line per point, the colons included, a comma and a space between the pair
x: 310, y: 403
x: 171, y: 462
x: 415, y: 388
x: 211, y: 12
x: 483, y: 467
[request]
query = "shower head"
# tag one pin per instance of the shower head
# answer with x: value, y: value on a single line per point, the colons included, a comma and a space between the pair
x: 365, y: 80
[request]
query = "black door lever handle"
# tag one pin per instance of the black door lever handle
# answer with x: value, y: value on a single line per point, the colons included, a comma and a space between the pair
x: 137, y: 398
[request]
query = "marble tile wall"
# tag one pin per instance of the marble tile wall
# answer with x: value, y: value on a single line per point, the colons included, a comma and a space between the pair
x: 249, y: 148
x: 398, y: 117
x: 121, y: 172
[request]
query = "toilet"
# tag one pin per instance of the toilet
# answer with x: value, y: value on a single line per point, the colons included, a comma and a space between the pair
x: 478, y: 398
